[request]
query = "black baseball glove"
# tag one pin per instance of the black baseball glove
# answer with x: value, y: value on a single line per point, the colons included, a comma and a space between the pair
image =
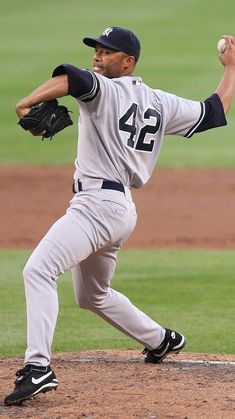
x: 46, y: 119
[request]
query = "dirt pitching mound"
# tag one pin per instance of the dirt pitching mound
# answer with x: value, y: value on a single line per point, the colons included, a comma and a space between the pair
x: 118, y: 384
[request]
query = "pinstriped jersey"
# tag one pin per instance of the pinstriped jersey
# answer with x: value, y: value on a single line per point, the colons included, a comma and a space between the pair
x: 121, y: 129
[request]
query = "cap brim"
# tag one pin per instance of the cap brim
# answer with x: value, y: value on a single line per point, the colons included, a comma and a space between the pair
x: 92, y: 42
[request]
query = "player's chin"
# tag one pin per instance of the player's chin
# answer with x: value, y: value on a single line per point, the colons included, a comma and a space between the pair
x: 98, y: 70
x: 102, y: 72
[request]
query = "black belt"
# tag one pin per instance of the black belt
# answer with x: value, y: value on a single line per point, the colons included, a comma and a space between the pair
x: 107, y: 184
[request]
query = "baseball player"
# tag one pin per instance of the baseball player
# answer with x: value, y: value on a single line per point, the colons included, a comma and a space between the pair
x: 122, y: 124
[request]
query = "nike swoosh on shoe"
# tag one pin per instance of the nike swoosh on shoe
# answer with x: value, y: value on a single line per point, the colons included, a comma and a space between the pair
x: 40, y: 379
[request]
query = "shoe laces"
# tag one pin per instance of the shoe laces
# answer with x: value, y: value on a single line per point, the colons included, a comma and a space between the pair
x: 23, y: 373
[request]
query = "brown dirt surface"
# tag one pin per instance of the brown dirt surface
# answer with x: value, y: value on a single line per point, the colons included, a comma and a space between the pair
x: 176, y: 209
x: 118, y: 384
x: 179, y: 208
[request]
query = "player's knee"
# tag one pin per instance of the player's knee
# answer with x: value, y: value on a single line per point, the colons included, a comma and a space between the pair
x: 31, y: 275
x: 98, y: 301
x: 34, y: 274
x: 83, y: 302
x: 27, y: 271
x: 94, y: 303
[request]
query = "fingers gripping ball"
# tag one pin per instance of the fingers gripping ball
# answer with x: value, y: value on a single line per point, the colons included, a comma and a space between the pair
x: 46, y: 119
x: 221, y: 46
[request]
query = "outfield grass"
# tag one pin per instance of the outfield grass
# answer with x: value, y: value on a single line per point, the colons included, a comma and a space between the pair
x: 192, y: 291
x: 178, y: 55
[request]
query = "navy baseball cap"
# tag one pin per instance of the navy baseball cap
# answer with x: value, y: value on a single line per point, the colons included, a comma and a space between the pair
x: 117, y: 39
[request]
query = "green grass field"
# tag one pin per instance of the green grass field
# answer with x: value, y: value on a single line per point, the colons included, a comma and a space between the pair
x: 192, y: 291
x: 178, y: 55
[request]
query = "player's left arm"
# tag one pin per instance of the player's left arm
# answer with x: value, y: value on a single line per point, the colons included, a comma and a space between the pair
x: 52, y: 89
x: 66, y: 80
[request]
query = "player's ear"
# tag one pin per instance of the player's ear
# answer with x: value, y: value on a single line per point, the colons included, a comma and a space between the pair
x: 129, y: 60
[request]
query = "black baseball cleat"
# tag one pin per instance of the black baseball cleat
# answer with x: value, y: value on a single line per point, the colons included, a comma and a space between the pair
x: 172, y: 343
x: 31, y: 380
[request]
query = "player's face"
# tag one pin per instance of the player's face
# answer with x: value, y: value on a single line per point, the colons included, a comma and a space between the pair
x: 111, y: 63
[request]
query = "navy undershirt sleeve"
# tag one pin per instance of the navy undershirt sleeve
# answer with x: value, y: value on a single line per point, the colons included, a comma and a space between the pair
x: 214, y: 114
x: 83, y: 84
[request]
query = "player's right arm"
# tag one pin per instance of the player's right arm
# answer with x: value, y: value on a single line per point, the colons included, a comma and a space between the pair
x: 226, y: 88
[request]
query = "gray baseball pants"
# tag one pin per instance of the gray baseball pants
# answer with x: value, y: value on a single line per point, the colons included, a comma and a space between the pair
x: 86, y: 241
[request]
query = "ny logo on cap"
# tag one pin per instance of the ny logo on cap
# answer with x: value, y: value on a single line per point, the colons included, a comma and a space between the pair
x: 107, y: 31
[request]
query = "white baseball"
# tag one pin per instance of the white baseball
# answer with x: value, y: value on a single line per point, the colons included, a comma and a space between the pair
x: 221, y: 45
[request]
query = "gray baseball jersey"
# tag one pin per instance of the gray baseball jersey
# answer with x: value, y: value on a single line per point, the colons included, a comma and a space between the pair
x: 122, y: 128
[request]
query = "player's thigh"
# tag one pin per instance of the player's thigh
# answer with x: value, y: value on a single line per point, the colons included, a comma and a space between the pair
x: 93, y: 276
x: 64, y: 246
